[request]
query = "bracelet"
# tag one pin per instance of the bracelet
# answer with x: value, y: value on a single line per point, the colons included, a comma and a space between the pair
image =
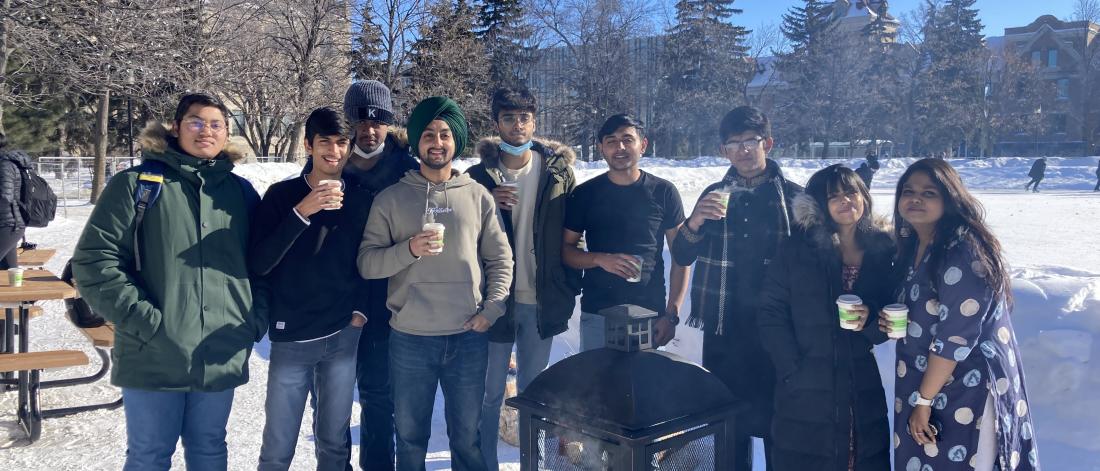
x: 689, y: 235
x: 921, y: 401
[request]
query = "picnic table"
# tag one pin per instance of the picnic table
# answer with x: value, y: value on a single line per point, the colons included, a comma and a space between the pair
x: 35, y: 257
x: 17, y: 301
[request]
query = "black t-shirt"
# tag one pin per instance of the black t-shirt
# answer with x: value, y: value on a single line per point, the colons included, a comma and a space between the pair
x: 628, y: 219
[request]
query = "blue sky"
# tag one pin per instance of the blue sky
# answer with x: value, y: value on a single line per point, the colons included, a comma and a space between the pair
x: 996, y: 15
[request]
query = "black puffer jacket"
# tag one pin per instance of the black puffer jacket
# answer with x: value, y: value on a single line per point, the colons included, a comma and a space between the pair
x: 827, y: 378
x: 11, y: 185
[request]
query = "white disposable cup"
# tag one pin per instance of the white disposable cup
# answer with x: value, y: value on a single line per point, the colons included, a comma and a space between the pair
x: 845, y: 304
x: 897, y: 320
x: 638, y: 261
x: 723, y: 198
x: 439, y: 229
x: 512, y: 186
x: 15, y: 276
x: 334, y: 184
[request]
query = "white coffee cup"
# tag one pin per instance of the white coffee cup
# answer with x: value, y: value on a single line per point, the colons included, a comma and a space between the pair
x: 845, y: 304
x: 638, y: 263
x: 439, y: 229
x: 897, y: 318
x: 723, y: 198
x: 335, y: 184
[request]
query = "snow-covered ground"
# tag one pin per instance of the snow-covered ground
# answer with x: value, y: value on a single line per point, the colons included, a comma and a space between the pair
x: 1048, y: 238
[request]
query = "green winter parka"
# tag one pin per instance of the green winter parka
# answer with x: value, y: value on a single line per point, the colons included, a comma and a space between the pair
x: 185, y: 322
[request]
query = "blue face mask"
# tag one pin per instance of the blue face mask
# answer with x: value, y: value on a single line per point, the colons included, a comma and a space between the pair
x: 515, y: 150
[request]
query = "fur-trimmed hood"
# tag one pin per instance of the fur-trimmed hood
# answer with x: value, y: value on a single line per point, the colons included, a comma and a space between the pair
x: 810, y: 218
x: 155, y: 137
x: 487, y: 148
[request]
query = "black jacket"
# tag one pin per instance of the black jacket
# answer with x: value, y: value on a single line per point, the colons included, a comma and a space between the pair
x: 11, y: 186
x: 396, y: 161
x: 556, y: 285
x: 314, y: 281
x: 1038, y: 169
x: 724, y: 298
x: 827, y: 377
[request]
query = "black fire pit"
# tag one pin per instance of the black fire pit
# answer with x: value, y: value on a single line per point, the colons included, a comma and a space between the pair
x: 626, y: 407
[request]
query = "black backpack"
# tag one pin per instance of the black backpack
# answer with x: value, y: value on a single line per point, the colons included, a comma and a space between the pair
x: 79, y: 312
x: 37, y: 201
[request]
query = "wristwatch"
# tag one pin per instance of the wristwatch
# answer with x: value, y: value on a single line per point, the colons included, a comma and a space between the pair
x: 673, y: 319
x: 921, y: 401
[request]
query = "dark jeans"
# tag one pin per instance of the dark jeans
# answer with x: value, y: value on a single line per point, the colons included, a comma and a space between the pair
x: 1033, y: 184
x: 420, y: 364
x: 9, y: 247
x: 376, y: 448
x: 727, y: 362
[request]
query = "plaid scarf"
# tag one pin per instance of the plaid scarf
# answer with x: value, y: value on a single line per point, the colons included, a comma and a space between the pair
x: 712, y: 289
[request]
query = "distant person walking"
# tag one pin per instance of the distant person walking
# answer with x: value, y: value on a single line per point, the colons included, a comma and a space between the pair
x: 1038, y: 171
x: 1097, y: 188
x: 11, y: 218
x: 866, y: 170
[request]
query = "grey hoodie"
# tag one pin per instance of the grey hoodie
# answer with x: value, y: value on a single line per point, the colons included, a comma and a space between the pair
x: 436, y: 295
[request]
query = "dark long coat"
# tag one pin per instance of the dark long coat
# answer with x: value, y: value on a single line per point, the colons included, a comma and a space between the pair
x: 828, y: 386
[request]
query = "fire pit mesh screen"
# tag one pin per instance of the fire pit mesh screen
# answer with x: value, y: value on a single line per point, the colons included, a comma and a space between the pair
x: 577, y: 452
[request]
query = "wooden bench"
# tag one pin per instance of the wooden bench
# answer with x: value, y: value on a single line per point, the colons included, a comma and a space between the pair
x: 32, y: 363
x: 102, y: 336
x: 41, y: 360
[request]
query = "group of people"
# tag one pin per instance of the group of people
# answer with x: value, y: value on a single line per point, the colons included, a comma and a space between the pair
x: 382, y: 268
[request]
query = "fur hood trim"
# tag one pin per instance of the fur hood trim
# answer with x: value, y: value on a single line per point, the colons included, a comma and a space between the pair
x: 809, y: 217
x: 488, y: 151
x: 154, y: 138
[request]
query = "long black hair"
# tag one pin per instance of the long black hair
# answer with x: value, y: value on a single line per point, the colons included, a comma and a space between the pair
x: 838, y: 180
x: 963, y: 217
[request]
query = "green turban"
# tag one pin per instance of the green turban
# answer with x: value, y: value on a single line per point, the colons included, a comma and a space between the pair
x: 431, y: 109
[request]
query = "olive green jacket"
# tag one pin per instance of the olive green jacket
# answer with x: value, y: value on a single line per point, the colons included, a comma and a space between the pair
x: 184, y: 322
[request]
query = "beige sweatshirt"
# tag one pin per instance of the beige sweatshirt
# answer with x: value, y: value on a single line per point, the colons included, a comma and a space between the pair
x: 436, y: 295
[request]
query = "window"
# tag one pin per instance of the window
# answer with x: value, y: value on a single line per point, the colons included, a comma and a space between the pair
x: 1036, y: 56
x: 1063, y: 89
x: 1052, y: 58
x: 1058, y: 124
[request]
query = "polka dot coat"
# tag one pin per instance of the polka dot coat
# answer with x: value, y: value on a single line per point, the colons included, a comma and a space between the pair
x: 968, y: 322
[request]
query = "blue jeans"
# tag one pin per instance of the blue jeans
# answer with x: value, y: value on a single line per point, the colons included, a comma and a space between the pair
x: 420, y: 364
x: 329, y: 365
x: 592, y: 332
x: 155, y: 421
x: 532, y: 356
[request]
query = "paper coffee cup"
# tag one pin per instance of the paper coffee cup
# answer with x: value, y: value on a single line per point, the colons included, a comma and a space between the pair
x: 334, y: 184
x: 849, y: 319
x: 897, y: 320
x: 723, y: 198
x: 638, y: 261
x: 15, y: 276
x: 439, y: 229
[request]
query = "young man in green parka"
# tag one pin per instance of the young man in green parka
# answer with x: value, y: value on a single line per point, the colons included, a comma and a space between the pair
x: 176, y: 288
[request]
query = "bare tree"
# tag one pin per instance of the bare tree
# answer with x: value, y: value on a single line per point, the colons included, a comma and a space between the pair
x: 119, y: 47
x: 595, y: 37
x: 1086, y: 10
x: 395, y: 25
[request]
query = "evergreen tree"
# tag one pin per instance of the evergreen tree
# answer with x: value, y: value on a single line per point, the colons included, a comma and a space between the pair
x: 367, y: 48
x: 951, y: 88
x: 504, y: 34
x: 449, y: 60
x: 881, y: 99
x: 819, y: 74
x: 706, y: 63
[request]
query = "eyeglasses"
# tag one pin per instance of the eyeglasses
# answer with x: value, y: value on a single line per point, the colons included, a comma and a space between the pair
x: 749, y: 144
x: 512, y: 119
x: 197, y: 125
